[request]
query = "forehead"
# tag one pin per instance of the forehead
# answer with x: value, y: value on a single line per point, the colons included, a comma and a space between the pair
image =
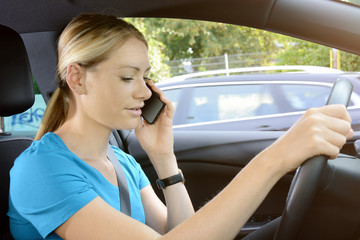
x: 132, y: 54
x: 131, y: 50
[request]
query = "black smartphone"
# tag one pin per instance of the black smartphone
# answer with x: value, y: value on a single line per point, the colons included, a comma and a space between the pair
x: 152, y: 108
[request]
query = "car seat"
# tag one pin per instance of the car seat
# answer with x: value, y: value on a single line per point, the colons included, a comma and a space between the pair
x: 16, y: 96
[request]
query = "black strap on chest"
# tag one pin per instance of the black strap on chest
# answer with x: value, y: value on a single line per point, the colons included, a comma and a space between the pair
x: 125, y: 206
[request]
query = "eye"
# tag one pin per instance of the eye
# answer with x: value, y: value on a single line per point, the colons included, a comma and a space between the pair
x: 127, y: 78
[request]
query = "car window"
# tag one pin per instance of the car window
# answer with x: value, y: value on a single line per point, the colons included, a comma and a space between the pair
x: 301, y: 97
x: 213, y: 103
x: 173, y: 95
x: 186, y: 52
x: 28, y: 122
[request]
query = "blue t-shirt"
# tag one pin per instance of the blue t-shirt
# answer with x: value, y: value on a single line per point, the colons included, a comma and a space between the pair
x: 49, y: 183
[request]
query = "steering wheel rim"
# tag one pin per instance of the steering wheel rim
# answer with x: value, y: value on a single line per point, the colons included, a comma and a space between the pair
x: 306, y: 180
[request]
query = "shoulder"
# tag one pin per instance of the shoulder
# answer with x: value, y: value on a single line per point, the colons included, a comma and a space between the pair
x: 47, y: 170
x: 45, y: 155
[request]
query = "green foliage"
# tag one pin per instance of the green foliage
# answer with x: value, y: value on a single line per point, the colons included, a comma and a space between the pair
x: 357, y: 2
x: 36, y: 88
x: 298, y: 52
x: 186, y: 39
x: 173, y: 39
x: 350, y: 62
x: 157, y: 57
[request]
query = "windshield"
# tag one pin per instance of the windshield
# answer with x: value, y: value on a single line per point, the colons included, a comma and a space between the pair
x: 356, y: 2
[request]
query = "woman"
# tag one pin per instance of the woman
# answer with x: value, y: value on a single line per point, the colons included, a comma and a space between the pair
x: 64, y: 186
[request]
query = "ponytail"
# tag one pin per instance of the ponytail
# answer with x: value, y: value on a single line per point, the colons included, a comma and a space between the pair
x: 55, y: 113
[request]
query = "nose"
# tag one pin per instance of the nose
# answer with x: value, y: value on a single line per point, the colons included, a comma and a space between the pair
x: 143, y: 91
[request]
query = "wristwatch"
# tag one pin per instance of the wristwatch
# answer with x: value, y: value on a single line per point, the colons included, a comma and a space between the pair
x: 163, y: 183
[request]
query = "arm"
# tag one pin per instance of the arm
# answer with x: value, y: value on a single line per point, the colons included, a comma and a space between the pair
x: 156, y: 212
x: 221, y: 218
x: 160, y: 151
x: 319, y: 131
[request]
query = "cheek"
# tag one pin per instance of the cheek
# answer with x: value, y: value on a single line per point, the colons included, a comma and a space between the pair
x: 108, y: 102
x: 107, y: 94
x: 96, y: 101
x: 100, y: 91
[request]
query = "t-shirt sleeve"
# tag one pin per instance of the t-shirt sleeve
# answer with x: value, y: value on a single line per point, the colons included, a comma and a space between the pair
x: 132, y: 167
x: 47, y: 189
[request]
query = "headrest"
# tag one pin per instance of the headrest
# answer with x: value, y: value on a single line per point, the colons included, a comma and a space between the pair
x: 16, y: 84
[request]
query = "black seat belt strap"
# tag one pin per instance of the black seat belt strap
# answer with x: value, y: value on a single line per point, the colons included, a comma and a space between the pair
x: 122, y: 183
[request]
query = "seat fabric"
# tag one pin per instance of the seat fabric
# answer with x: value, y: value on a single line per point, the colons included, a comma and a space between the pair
x: 16, y: 96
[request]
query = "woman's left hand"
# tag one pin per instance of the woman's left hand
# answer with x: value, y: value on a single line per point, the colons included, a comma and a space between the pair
x: 157, y: 139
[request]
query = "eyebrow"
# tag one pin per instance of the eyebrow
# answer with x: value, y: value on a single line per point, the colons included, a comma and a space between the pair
x: 136, y: 68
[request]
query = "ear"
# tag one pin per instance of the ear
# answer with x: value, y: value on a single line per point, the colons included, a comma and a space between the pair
x: 75, y: 75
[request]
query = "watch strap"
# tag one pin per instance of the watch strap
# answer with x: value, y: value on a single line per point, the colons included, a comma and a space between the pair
x: 163, y: 183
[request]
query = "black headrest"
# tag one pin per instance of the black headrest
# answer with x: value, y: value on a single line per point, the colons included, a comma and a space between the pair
x: 16, y: 84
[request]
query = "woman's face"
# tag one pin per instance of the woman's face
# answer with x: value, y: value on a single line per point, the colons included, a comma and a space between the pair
x: 115, y: 88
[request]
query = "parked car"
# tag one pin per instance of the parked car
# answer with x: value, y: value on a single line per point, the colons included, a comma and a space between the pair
x: 209, y: 159
x: 234, y: 99
x: 250, y: 99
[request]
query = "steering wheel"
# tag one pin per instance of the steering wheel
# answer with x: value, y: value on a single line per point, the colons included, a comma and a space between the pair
x: 307, y: 178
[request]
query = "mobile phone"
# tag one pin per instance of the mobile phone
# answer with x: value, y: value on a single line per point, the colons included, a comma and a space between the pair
x: 152, y: 108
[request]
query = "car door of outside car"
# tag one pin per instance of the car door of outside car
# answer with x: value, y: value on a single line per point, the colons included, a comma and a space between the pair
x: 181, y: 100
x: 223, y: 103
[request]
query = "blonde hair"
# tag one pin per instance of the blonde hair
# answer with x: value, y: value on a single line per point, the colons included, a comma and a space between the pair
x: 87, y: 40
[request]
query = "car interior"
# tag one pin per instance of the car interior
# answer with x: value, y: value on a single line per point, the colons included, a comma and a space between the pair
x: 17, y: 95
x: 208, y: 159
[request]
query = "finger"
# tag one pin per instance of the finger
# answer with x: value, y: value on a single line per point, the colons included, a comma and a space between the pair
x: 154, y: 87
x: 169, y: 109
x: 350, y: 134
x: 338, y: 125
x: 158, y: 91
x: 326, y: 148
x: 335, y: 138
x: 332, y: 151
x: 337, y: 111
x: 140, y: 124
x: 169, y: 106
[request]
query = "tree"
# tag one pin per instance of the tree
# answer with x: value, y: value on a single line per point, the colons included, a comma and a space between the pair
x: 350, y: 62
x: 185, y: 39
x: 190, y: 40
x: 299, y: 52
x: 157, y: 57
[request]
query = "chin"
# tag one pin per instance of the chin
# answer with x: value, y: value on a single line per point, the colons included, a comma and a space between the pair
x: 129, y: 125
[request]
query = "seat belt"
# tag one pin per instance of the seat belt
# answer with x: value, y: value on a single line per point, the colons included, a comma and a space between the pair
x: 125, y: 205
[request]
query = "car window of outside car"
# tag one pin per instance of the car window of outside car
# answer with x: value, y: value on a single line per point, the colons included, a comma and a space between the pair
x: 302, y: 97
x: 214, y: 103
x: 173, y: 95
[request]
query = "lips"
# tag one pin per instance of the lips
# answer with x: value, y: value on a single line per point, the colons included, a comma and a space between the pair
x: 135, y: 111
x: 138, y: 107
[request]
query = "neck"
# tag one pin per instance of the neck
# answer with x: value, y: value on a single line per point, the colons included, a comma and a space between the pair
x: 87, y: 141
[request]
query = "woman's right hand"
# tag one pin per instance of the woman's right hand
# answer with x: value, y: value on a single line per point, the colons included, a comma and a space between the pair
x: 320, y: 131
